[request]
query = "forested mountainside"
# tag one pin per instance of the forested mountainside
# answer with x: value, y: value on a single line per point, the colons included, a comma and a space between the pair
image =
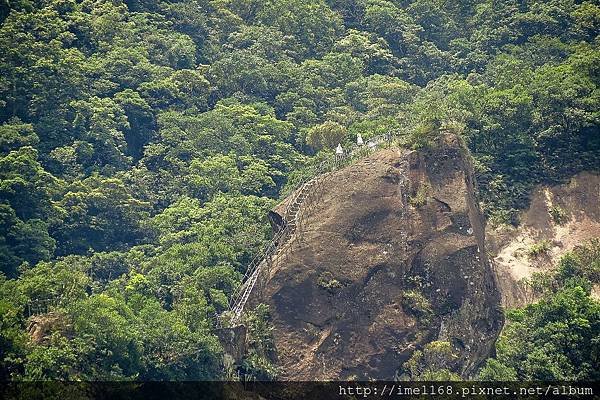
x: 143, y: 142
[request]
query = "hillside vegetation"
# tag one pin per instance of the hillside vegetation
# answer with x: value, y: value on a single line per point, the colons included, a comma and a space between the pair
x: 142, y: 143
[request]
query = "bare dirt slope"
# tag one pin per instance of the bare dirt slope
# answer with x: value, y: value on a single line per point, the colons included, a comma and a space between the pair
x: 390, y: 255
x: 579, y: 200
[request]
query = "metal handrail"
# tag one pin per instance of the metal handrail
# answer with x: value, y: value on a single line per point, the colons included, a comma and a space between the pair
x: 270, y: 250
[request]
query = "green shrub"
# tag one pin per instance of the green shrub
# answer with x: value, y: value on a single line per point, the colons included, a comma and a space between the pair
x: 499, y: 217
x: 539, y: 249
x: 328, y: 282
x: 556, y: 337
x: 416, y: 304
x: 558, y: 214
x: 433, y: 363
x: 420, y: 197
x: 257, y: 363
x: 582, y: 262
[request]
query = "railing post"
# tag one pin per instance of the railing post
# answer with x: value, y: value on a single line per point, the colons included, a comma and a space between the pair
x: 281, y: 243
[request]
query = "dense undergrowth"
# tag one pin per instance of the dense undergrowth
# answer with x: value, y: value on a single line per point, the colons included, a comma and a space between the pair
x: 142, y: 142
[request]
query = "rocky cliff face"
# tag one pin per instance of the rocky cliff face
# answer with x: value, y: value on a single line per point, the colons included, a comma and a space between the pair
x: 389, y: 255
x: 576, y: 208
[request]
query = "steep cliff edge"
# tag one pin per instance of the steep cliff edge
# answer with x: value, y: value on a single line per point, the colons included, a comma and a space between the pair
x: 559, y: 218
x: 390, y: 255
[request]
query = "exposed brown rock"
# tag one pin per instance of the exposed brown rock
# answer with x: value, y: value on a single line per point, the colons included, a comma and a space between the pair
x: 40, y: 327
x: 579, y: 200
x: 377, y: 235
x: 234, y: 342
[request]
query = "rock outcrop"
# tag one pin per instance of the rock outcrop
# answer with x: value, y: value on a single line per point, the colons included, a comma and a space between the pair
x: 561, y: 216
x: 41, y: 327
x: 390, y: 255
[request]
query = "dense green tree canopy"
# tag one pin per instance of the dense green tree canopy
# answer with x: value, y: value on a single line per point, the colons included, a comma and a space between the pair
x: 142, y: 143
x: 555, y: 339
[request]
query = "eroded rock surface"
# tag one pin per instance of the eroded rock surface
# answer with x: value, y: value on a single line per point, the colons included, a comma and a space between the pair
x: 389, y: 256
x: 40, y: 327
x: 576, y: 208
